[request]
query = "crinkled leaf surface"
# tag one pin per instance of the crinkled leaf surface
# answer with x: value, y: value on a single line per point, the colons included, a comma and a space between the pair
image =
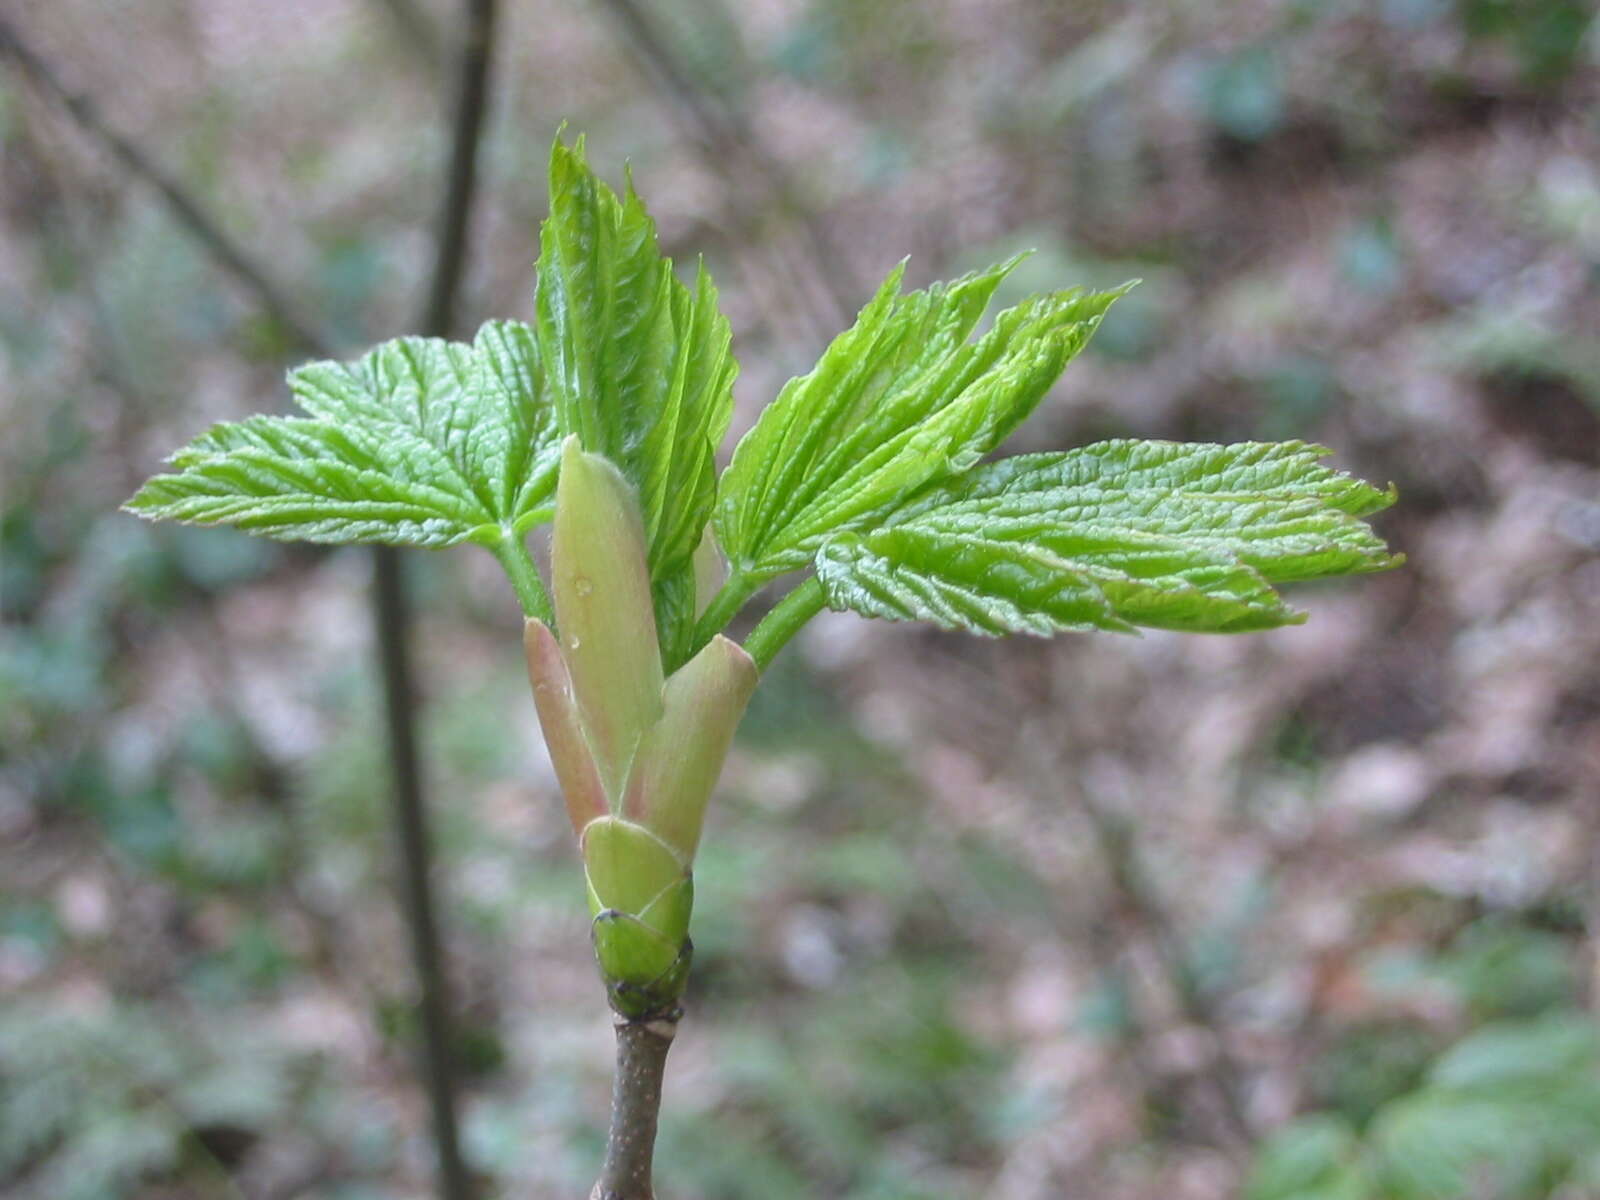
x: 902, y: 398
x: 421, y: 442
x: 639, y: 364
x: 1111, y: 536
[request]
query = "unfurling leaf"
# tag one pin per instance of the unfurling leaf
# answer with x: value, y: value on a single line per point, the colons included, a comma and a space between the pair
x: 639, y: 365
x: 901, y: 399
x: 1111, y: 536
x: 422, y: 442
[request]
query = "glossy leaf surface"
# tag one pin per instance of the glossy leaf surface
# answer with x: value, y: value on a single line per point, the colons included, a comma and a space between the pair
x: 1112, y: 536
x: 421, y: 442
x: 639, y: 364
x: 903, y: 398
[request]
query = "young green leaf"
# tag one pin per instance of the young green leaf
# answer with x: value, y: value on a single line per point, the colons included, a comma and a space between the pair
x: 900, y: 399
x: 1111, y: 536
x: 639, y: 364
x: 422, y: 442
x: 982, y: 587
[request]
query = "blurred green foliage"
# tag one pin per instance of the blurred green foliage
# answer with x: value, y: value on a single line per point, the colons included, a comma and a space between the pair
x: 92, y: 1102
x: 1510, y: 1110
x: 1547, y: 35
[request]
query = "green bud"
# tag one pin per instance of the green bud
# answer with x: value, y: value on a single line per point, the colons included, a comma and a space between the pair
x: 641, y: 893
x: 628, y: 867
x: 603, y: 608
x: 682, y: 755
x: 581, y: 785
x: 637, y: 756
x: 621, y: 942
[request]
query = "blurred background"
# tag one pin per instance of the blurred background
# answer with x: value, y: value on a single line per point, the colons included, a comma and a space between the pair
x: 1303, y: 914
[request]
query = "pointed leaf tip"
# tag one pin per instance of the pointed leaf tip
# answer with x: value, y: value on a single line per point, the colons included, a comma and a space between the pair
x: 903, y: 398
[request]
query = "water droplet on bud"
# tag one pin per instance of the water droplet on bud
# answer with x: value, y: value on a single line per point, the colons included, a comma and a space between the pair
x: 582, y: 586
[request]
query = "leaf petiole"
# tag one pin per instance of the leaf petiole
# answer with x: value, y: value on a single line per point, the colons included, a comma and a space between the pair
x: 512, y: 553
x: 733, y: 595
x: 786, y: 619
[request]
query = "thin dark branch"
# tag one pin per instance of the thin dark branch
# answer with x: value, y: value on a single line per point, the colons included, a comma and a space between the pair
x: 391, y: 615
x: 455, y: 211
x: 185, y: 208
x: 438, y: 320
x: 389, y: 600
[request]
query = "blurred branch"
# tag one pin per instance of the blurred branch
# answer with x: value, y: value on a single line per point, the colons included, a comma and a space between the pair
x: 227, y: 253
x: 730, y: 148
x: 461, y: 169
x: 1137, y: 901
x: 390, y: 612
x: 438, y: 319
x: 393, y: 620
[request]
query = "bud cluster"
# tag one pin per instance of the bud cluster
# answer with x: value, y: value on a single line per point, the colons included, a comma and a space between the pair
x: 637, y: 753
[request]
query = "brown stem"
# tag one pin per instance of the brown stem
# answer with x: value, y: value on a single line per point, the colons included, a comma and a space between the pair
x: 635, y: 1104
